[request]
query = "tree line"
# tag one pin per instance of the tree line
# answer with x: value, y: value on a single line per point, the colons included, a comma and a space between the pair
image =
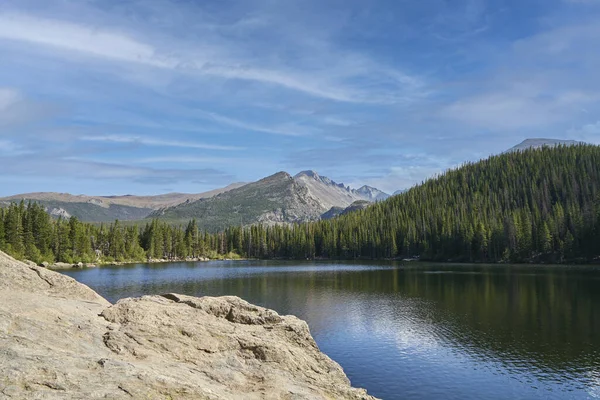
x: 528, y: 206
x: 28, y: 232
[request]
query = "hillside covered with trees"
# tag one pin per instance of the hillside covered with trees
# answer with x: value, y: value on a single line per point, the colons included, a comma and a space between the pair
x: 532, y: 205
x: 538, y: 205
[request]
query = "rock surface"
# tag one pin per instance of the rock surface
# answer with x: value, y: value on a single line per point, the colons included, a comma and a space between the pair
x: 58, y: 265
x: 61, y: 340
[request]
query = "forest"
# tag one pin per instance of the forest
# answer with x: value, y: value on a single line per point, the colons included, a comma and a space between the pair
x: 537, y: 205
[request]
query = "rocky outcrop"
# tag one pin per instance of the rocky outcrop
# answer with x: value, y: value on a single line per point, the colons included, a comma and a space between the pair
x: 61, y: 340
x: 59, y: 265
x: 59, y: 212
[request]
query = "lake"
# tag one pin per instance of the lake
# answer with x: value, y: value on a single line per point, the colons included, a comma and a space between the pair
x: 414, y: 330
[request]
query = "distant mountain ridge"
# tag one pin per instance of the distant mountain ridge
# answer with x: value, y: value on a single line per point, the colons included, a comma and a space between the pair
x: 372, y: 194
x: 152, y: 202
x: 536, y: 143
x: 279, y: 198
x: 108, y: 208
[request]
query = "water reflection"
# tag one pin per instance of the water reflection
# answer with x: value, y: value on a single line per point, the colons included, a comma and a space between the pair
x: 415, y: 331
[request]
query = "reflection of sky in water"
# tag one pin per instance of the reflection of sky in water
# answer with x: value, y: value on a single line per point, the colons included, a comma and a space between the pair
x: 448, y: 332
x: 423, y: 346
x: 594, y: 388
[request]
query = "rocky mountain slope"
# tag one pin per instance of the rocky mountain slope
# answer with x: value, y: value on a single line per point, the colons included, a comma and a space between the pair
x: 61, y: 340
x: 279, y: 198
x: 328, y: 192
x: 276, y: 199
x: 539, y: 142
x: 332, y: 194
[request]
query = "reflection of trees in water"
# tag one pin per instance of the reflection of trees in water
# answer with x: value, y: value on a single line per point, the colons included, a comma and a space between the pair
x: 514, y: 314
x: 548, y: 316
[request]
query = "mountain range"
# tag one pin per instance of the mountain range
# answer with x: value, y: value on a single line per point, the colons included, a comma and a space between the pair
x: 108, y: 208
x: 279, y: 198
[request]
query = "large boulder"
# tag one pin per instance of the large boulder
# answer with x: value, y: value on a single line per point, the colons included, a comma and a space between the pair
x: 61, y: 265
x: 61, y: 340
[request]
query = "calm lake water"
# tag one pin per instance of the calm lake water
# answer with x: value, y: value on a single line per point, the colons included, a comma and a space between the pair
x: 415, y: 331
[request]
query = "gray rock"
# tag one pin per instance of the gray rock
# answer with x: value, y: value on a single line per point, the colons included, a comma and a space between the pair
x: 60, y: 265
x: 61, y: 340
x: 44, y: 264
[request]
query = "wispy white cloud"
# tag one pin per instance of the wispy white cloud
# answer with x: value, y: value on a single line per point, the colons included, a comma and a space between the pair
x: 288, y: 129
x: 189, y: 160
x: 409, y: 170
x: 85, y: 169
x: 16, y: 109
x: 459, y: 21
x: 203, y: 59
x: 337, y: 121
x: 78, y: 38
x: 516, y: 110
x: 538, y: 82
x: 8, y: 97
x: 9, y: 147
x: 330, y: 138
x: 589, y: 133
x: 147, y: 141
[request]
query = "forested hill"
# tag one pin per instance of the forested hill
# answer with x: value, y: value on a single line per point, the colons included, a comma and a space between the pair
x: 532, y: 205
x: 537, y: 205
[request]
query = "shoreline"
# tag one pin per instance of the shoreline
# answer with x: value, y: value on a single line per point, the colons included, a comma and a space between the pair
x: 66, y: 266
x: 62, y: 266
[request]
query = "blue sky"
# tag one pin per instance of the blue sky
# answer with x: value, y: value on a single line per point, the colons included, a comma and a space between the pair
x: 153, y: 96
